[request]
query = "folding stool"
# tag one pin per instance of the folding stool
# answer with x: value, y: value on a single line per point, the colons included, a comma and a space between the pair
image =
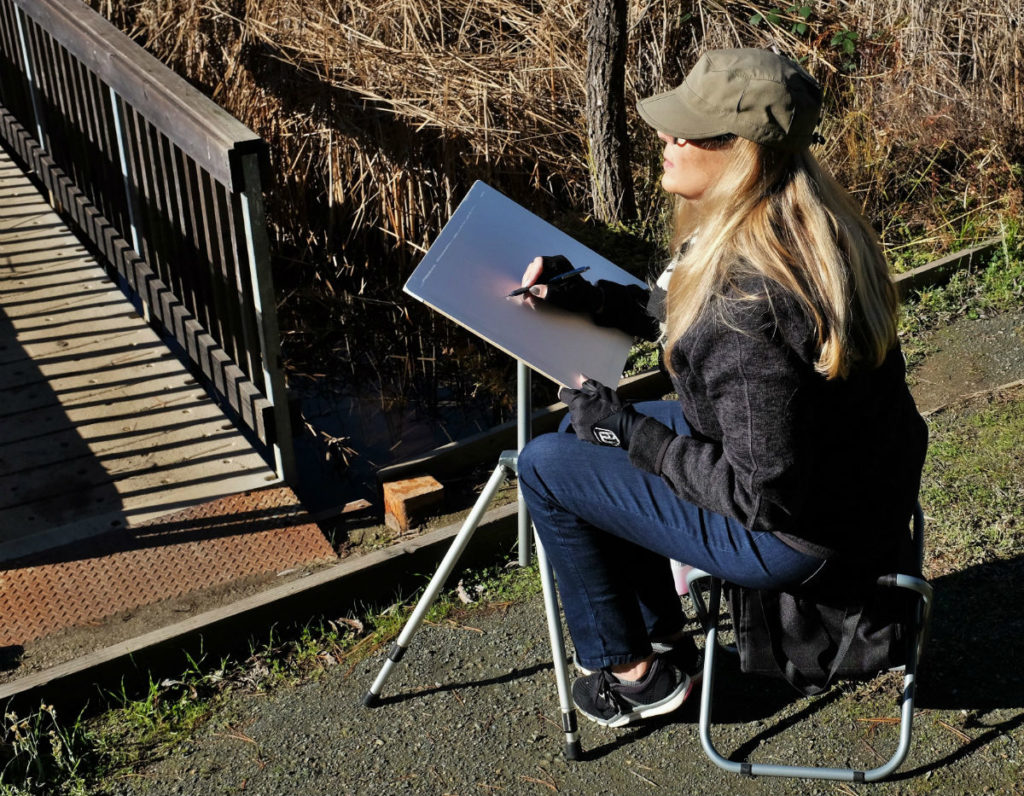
x: 707, y: 613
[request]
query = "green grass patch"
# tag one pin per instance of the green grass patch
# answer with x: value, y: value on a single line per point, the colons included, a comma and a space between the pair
x: 973, y: 483
x: 996, y: 286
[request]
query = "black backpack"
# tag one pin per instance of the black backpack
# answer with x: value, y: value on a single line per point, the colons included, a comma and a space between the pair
x: 854, y: 627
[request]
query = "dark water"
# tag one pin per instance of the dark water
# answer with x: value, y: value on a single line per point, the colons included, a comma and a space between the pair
x: 367, y: 436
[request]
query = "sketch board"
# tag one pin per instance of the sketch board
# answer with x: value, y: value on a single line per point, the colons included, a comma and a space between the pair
x: 479, y: 258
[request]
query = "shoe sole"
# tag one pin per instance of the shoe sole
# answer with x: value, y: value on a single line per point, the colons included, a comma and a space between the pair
x: 666, y: 705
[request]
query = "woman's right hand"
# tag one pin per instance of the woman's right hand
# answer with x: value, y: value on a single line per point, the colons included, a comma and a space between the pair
x: 573, y: 293
x: 534, y: 271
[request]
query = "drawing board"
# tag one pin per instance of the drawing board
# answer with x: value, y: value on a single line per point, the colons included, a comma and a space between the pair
x: 479, y: 258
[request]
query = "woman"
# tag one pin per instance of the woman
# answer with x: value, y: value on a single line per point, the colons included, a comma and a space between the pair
x: 795, y: 441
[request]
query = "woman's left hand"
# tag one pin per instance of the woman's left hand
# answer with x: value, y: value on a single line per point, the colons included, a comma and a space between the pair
x: 599, y: 415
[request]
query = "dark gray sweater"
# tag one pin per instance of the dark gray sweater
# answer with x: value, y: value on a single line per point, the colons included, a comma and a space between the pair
x: 830, y: 466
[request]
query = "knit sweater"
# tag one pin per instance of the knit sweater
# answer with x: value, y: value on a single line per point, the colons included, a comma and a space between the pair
x: 832, y: 467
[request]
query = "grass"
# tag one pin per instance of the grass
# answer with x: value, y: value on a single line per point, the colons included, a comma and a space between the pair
x: 995, y: 286
x: 973, y: 487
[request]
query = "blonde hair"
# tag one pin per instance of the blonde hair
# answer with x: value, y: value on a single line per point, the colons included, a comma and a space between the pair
x: 782, y: 216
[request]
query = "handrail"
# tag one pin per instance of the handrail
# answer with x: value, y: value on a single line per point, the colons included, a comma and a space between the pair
x: 200, y: 127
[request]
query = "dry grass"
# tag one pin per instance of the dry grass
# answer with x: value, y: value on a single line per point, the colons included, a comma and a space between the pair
x: 381, y: 113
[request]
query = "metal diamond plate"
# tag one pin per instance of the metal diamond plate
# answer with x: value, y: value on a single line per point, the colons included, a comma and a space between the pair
x: 251, y: 533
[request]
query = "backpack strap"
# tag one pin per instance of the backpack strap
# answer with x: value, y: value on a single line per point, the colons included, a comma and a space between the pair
x: 798, y: 679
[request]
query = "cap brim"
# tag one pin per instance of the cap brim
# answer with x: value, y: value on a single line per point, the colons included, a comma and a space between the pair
x: 669, y: 113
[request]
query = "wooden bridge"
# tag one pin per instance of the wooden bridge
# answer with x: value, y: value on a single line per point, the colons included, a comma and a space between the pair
x: 145, y: 447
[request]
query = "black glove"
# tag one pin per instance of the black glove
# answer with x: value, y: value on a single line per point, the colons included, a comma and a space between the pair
x: 599, y: 415
x: 574, y: 293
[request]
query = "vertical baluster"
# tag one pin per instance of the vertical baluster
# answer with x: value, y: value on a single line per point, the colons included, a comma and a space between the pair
x: 196, y: 227
x: 246, y: 324
x: 160, y: 249
x: 119, y: 119
x: 33, y: 88
x: 193, y: 293
x: 220, y: 316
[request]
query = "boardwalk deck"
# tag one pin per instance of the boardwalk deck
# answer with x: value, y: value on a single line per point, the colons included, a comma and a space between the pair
x: 101, y: 427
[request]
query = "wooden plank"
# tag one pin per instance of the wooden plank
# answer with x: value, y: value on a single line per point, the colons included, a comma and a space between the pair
x: 55, y: 349
x: 125, y: 410
x: 941, y: 271
x: 156, y: 378
x: 42, y: 290
x: 104, y: 439
x: 134, y: 462
x: 105, y: 317
x: 128, y: 356
x: 49, y: 523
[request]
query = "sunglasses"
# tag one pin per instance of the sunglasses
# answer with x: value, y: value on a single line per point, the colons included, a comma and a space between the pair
x: 715, y: 142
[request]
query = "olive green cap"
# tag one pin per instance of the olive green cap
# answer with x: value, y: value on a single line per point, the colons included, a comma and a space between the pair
x: 755, y: 94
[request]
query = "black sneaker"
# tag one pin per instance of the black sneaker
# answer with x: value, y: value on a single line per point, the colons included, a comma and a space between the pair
x: 682, y: 653
x: 603, y: 698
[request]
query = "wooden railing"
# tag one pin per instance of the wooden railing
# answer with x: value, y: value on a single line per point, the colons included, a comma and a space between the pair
x: 167, y: 187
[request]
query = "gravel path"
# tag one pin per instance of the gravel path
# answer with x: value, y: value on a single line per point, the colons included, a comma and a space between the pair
x: 472, y: 709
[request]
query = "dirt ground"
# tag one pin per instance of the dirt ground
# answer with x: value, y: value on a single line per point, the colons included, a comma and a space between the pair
x: 473, y: 709
x: 967, y: 357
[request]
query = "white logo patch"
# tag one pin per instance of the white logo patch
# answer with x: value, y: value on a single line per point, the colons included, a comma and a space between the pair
x: 606, y: 437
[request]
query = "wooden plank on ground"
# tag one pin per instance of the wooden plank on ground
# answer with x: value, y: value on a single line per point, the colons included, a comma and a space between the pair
x: 941, y: 271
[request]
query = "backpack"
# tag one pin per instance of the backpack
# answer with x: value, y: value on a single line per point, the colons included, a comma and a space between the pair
x: 810, y: 640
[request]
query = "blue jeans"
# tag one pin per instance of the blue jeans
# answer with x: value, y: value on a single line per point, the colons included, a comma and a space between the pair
x: 609, y: 530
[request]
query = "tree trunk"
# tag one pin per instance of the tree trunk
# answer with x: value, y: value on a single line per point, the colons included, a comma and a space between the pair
x: 610, y: 175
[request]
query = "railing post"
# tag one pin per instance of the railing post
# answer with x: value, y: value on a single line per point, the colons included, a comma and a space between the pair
x: 30, y: 76
x: 258, y: 249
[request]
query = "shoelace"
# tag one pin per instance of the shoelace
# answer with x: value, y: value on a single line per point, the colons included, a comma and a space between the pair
x: 606, y: 693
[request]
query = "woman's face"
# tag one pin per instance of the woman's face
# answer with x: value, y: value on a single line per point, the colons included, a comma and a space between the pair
x: 691, y: 168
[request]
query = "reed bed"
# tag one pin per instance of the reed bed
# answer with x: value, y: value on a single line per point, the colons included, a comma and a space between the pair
x: 381, y: 113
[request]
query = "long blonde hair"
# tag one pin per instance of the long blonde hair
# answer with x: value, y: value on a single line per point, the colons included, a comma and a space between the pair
x: 782, y: 216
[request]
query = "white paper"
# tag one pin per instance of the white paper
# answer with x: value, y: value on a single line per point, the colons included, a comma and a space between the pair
x: 479, y: 258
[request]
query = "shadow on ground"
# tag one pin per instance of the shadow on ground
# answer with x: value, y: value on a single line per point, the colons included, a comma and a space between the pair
x: 973, y: 658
